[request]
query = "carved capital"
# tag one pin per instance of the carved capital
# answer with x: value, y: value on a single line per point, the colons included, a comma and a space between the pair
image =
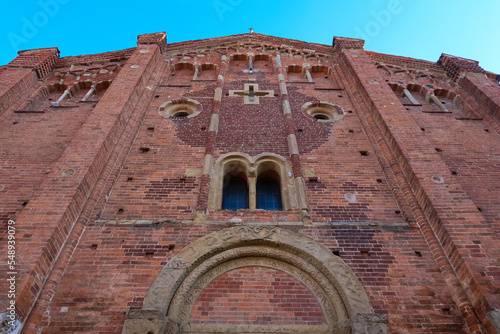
x: 369, y: 323
x: 144, y: 321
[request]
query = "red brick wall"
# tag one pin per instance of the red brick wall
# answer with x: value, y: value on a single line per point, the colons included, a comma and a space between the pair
x: 256, y: 296
x: 405, y: 285
x: 405, y: 237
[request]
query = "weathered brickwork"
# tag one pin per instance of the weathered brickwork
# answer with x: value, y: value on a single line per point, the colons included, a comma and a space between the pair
x: 274, y: 297
x: 114, y: 167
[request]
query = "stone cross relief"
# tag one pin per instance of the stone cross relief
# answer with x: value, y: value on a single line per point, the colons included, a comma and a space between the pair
x: 251, y: 93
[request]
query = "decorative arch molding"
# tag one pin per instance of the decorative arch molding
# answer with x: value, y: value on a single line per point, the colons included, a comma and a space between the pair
x: 169, y: 301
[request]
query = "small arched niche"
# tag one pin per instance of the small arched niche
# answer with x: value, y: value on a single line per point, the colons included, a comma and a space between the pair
x: 295, y: 73
x: 181, y: 74
x: 238, y: 62
x: 207, y: 72
x: 262, y: 62
x: 324, y: 78
x: 324, y: 111
x: 338, y: 299
x: 180, y: 109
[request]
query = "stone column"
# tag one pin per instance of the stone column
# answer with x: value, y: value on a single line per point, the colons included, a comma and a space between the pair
x: 433, y: 98
x: 368, y: 323
x: 91, y: 90
x: 308, y: 74
x: 252, y: 191
x: 196, y: 71
x: 410, y: 97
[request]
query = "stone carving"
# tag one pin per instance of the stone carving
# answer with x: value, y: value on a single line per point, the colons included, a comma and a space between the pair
x: 256, y: 232
x: 176, y: 263
x: 328, y: 295
x: 369, y: 323
x: 171, y: 328
x: 9, y: 324
x: 318, y: 291
x: 340, y: 295
x: 353, y: 292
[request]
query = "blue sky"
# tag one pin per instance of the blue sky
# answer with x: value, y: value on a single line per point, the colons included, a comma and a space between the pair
x: 420, y: 29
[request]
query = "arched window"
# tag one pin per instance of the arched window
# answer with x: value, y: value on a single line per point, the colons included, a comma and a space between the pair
x: 235, y: 194
x: 268, y: 194
x: 263, y: 182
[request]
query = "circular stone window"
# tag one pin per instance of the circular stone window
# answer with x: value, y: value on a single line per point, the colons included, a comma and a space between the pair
x: 180, y: 108
x: 324, y: 111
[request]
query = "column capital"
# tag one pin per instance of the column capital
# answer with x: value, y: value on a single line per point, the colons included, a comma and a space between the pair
x: 41, y: 61
x: 369, y: 323
x: 454, y: 66
x: 340, y: 43
x: 159, y: 38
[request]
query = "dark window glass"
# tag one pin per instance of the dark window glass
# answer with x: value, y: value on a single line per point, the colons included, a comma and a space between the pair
x: 235, y: 194
x: 268, y: 194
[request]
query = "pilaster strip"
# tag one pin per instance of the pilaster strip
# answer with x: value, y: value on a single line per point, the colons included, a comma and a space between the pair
x: 201, y: 207
x: 54, y: 210
x: 293, y: 147
x: 357, y: 69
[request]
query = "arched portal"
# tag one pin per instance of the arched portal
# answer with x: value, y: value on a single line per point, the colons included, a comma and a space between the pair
x: 341, y: 297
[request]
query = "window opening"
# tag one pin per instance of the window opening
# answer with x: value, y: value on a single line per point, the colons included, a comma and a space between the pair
x: 268, y: 194
x: 235, y: 194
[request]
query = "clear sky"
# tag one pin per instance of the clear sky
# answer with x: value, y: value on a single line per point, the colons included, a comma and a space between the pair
x: 421, y: 29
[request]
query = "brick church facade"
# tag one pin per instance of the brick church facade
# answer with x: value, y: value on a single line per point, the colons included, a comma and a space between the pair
x: 249, y: 184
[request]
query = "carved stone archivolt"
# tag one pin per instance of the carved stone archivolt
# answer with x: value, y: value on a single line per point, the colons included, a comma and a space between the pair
x: 169, y: 301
